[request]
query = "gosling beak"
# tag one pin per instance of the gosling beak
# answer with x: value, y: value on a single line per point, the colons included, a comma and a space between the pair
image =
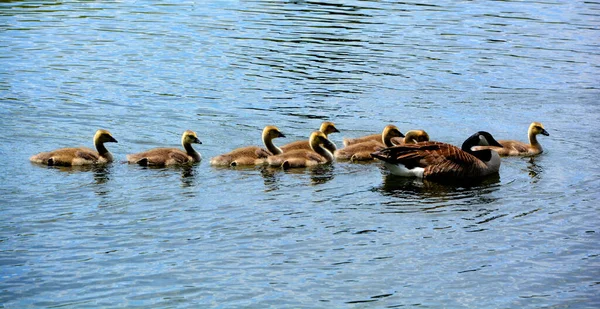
x: 281, y: 135
x: 197, y: 141
x: 544, y: 132
x: 335, y: 130
x: 112, y: 140
x: 401, y: 134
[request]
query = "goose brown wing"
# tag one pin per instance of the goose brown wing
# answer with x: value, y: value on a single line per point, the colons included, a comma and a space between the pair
x: 412, y: 155
x: 453, y: 161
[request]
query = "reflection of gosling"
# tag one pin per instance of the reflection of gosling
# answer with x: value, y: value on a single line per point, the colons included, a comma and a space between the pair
x: 80, y: 155
x: 441, y: 161
x: 326, y: 127
x: 411, y: 137
x: 516, y: 148
x: 169, y: 156
x: 362, y: 151
x: 319, y: 154
x: 251, y: 155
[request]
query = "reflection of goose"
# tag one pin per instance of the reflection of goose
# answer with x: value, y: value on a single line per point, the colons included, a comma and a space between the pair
x: 411, y: 137
x: 516, y: 148
x: 326, y: 127
x: 435, y: 160
x: 169, y: 156
x: 79, y: 155
x: 362, y: 151
x: 302, y: 157
x: 251, y: 155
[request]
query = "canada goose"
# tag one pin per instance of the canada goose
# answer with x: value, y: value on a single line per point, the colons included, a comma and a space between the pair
x: 362, y: 151
x: 169, y: 156
x: 411, y: 137
x: 319, y: 154
x: 516, y: 148
x: 435, y: 160
x: 79, y: 155
x: 326, y: 127
x: 251, y: 155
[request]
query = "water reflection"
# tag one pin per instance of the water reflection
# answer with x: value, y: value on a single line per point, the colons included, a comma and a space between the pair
x: 403, y: 188
x: 187, y: 171
x: 319, y: 174
x: 534, y: 170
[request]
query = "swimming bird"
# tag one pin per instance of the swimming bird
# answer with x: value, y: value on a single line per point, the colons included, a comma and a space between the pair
x: 327, y: 128
x: 79, y: 155
x: 169, y: 156
x: 362, y: 139
x: 517, y: 148
x: 441, y: 161
x: 251, y: 155
x: 411, y: 137
x: 319, y: 154
x: 362, y: 151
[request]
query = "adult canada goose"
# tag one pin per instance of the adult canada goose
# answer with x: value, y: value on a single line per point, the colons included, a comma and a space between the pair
x: 319, y: 154
x: 441, y: 161
x: 362, y: 151
x: 411, y: 137
x: 251, y: 155
x: 516, y: 148
x: 169, y: 156
x: 362, y: 139
x: 79, y: 155
x: 326, y: 127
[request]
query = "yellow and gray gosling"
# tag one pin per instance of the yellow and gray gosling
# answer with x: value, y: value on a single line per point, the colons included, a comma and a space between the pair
x: 319, y: 154
x: 251, y: 155
x: 411, y: 137
x: 441, y: 161
x: 78, y: 155
x: 169, y: 156
x: 327, y: 128
x: 362, y: 151
x: 517, y: 148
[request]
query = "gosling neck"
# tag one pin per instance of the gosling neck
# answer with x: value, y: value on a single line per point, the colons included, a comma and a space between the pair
x: 533, y: 140
x: 101, y: 148
x: 191, y: 151
x: 321, y: 150
x: 387, y: 140
x: 268, y: 141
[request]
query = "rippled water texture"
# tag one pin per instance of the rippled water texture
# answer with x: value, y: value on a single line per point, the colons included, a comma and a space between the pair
x: 343, y: 235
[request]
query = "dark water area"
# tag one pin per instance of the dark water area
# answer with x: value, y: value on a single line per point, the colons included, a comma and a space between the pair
x: 342, y: 235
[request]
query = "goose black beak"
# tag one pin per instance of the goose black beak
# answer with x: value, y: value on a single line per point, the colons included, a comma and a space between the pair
x: 544, y: 132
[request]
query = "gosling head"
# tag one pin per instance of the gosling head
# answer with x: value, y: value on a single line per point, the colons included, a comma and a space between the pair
x: 391, y: 131
x: 103, y: 136
x: 271, y: 132
x: 416, y: 136
x: 319, y: 138
x: 538, y: 128
x: 190, y: 137
x: 328, y: 127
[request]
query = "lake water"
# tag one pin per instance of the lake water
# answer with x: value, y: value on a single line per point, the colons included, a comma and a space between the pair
x: 338, y: 236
